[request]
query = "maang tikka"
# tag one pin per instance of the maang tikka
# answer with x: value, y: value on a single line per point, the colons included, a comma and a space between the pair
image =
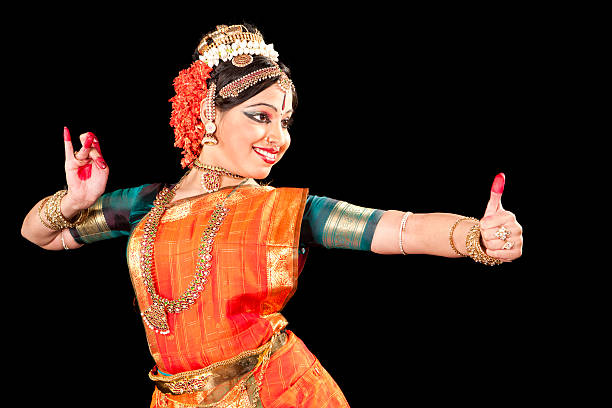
x: 208, y: 107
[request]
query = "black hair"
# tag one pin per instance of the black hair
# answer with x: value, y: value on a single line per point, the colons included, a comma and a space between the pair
x: 226, y: 72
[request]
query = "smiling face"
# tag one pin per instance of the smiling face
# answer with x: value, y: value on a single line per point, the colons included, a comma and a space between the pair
x: 254, y: 135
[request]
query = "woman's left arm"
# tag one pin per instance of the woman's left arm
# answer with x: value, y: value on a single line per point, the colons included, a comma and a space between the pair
x: 501, y: 236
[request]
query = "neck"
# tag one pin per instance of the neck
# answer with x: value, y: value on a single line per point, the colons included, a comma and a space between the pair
x: 191, y: 186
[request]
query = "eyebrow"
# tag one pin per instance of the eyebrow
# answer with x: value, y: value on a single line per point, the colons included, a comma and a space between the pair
x: 267, y: 104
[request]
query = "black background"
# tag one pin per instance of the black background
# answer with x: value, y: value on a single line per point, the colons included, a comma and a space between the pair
x: 415, y: 110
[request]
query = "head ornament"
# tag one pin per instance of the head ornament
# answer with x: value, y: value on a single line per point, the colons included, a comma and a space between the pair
x: 230, y: 42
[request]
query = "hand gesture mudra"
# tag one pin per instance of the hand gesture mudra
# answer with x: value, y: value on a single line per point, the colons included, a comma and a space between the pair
x: 86, y: 171
x: 502, y: 235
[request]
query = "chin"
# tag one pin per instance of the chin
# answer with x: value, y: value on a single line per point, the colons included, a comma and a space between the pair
x: 260, y: 173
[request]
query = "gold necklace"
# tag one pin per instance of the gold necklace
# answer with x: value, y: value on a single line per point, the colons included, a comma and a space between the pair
x: 155, y: 316
x: 211, y: 176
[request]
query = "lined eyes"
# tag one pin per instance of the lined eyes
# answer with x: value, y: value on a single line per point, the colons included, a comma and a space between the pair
x: 262, y: 117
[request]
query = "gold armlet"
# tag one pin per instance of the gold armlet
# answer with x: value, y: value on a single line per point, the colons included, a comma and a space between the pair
x: 475, y: 251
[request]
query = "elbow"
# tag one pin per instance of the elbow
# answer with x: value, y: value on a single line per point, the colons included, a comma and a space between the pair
x: 24, y: 232
x: 27, y: 234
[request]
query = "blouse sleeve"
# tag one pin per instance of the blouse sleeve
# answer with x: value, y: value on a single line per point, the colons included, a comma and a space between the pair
x: 338, y: 224
x: 115, y: 214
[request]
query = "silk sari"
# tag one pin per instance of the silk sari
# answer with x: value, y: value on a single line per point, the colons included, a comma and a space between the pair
x: 257, y: 257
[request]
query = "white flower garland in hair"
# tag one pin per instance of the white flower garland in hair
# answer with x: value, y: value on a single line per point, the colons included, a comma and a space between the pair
x: 226, y: 52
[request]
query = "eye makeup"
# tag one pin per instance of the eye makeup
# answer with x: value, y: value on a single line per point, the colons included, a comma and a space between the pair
x: 258, y: 116
x: 264, y: 117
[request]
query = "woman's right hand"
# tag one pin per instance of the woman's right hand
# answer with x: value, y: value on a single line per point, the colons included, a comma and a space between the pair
x: 86, y: 172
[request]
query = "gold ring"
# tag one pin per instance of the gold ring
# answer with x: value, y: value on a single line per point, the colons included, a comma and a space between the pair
x: 502, y: 233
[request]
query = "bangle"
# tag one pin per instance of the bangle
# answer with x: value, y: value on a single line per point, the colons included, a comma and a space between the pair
x: 452, y: 230
x: 40, y: 212
x: 63, y: 242
x: 402, y: 225
x: 54, y: 219
x: 475, y: 251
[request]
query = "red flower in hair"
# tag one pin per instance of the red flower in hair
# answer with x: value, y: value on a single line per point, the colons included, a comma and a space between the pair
x: 190, y: 88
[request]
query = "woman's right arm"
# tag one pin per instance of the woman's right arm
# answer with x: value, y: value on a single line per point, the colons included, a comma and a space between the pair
x: 86, y: 176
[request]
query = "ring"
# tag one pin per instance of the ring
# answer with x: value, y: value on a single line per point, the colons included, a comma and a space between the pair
x: 502, y: 233
x: 508, y: 245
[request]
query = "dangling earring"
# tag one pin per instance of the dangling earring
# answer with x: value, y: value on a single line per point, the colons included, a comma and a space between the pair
x: 208, y: 107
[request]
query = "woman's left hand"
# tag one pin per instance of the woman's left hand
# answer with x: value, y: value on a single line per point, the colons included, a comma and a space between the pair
x: 501, y: 235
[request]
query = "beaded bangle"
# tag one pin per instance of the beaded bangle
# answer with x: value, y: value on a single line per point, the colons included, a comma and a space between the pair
x: 54, y: 219
x: 475, y: 251
x: 402, y: 225
x: 452, y: 230
x: 40, y: 212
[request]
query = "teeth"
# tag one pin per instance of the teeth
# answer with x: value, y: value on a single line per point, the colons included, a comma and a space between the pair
x: 265, y: 153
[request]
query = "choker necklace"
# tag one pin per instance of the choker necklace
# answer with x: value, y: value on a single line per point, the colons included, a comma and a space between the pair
x: 155, y: 316
x: 211, y: 176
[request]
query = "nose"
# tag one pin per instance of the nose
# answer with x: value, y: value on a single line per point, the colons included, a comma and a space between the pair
x: 277, y: 135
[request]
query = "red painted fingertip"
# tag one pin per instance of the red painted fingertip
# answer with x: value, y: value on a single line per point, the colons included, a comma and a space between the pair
x: 66, y: 134
x: 89, y: 140
x: 96, y: 145
x: 101, y: 163
x: 498, y: 183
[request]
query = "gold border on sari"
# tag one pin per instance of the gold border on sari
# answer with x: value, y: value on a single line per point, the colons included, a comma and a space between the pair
x: 95, y: 223
x: 224, y: 382
x: 345, y: 225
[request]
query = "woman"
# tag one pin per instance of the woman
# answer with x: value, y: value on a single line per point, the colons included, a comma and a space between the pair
x: 215, y: 257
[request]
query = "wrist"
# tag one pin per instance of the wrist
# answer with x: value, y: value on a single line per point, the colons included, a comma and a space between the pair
x: 69, y: 207
x: 458, y: 234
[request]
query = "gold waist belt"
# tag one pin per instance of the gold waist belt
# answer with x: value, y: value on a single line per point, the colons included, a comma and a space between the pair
x: 221, y: 378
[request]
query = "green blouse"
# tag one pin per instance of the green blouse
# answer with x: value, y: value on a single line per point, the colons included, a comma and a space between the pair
x: 326, y: 222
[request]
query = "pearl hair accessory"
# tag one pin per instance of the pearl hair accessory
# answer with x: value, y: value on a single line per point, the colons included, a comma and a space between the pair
x: 228, y: 42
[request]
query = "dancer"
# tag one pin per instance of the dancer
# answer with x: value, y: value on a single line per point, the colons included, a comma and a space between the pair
x: 215, y: 257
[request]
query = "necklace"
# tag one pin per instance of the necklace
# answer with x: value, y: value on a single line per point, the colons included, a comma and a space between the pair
x: 155, y: 316
x: 211, y: 176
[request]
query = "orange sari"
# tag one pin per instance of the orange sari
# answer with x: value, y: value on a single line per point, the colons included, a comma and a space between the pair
x: 254, y: 273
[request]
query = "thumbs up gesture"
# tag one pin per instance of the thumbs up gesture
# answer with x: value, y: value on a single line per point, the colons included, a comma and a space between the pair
x: 501, y: 234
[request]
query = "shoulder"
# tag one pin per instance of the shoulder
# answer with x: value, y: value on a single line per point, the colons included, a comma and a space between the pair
x: 291, y: 193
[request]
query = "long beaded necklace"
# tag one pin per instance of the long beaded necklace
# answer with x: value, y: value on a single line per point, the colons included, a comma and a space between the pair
x: 155, y: 316
x: 211, y: 175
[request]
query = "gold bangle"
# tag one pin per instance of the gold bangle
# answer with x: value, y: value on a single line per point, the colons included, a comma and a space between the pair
x: 475, y: 251
x: 55, y: 220
x: 40, y: 212
x: 452, y: 231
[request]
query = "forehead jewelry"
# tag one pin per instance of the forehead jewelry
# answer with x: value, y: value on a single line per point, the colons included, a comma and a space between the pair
x: 234, y: 88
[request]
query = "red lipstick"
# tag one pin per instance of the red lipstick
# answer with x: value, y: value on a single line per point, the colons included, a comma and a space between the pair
x: 268, y: 158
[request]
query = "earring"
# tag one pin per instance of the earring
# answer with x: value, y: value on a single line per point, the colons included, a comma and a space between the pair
x: 208, y: 105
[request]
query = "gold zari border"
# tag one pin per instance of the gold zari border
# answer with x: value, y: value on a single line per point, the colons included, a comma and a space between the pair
x: 95, y: 223
x: 234, y: 371
x: 345, y: 226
